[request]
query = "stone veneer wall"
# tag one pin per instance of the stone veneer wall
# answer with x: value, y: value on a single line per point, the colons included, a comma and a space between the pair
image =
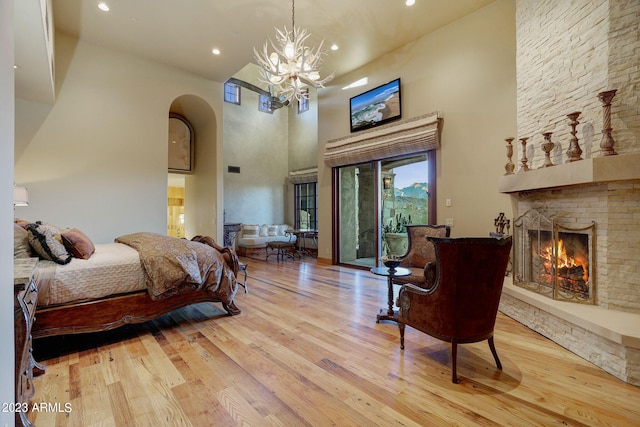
x: 615, y: 208
x: 567, y: 52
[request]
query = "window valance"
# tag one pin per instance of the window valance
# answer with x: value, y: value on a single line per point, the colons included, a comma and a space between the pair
x: 303, y: 176
x: 404, y: 137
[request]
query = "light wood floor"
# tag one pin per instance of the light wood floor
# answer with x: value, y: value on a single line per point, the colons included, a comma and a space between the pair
x: 306, y: 351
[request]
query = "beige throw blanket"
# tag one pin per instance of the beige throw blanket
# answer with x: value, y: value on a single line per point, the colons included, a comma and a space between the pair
x: 174, y: 266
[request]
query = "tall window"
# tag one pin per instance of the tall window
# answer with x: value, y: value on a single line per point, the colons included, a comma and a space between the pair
x: 232, y: 93
x: 306, y: 215
x: 264, y: 104
x: 303, y: 103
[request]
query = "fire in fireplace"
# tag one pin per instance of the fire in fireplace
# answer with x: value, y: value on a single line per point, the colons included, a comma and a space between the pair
x: 565, y: 261
x: 553, y: 260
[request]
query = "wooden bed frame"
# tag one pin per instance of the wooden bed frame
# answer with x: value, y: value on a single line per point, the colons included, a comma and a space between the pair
x: 118, y: 310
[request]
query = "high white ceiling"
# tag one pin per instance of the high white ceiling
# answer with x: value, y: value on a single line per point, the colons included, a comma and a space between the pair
x: 182, y: 33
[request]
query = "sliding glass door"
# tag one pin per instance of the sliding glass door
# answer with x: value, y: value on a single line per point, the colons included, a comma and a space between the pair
x: 375, y: 201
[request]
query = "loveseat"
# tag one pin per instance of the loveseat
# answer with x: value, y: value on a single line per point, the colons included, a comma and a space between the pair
x: 252, y: 239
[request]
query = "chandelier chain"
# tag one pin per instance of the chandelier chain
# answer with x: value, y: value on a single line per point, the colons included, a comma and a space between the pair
x: 293, y: 14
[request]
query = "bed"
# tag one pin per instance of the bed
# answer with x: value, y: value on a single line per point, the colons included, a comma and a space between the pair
x: 91, y: 288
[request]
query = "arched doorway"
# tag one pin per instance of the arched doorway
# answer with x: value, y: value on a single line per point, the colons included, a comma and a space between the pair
x: 202, y: 184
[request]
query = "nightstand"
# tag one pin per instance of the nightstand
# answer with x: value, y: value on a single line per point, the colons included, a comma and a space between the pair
x: 25, y: 292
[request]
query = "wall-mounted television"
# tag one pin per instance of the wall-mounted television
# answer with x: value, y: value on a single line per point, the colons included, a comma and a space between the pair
x: 376, y: 106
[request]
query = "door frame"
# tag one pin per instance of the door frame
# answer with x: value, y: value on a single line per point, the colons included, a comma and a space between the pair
x: 335, y: 203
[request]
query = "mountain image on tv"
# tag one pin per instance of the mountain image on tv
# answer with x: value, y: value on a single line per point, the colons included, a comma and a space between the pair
x: 376, y: 106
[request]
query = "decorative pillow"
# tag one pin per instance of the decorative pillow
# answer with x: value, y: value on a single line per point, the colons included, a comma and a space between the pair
x: 77, y: 243
x: 282, y: 229
x: 21, y: 247
x: 264, y: 230
x: 45, y: 240
x: 250, y: 230
x: 272, y: 230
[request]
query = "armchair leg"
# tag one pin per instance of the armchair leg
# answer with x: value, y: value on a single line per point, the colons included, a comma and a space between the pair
x: 401, y: 326
x: 454, y: 362
x: 495, y: 354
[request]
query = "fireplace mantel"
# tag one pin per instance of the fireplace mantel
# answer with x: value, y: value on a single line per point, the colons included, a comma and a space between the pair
x: 588, y: 171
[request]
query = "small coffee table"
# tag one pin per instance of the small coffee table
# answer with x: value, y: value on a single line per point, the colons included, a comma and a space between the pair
x: 390, y: 314
x: 280, y: 250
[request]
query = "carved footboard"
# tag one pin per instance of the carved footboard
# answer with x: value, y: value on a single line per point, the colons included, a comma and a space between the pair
x: 113, y: 312
x: 229, y: 255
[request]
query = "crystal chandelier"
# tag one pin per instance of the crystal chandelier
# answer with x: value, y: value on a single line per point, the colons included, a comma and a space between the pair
x: 291, y: 65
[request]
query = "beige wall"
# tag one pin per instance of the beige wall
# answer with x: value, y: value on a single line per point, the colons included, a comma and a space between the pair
x: 303, y: 147
x: 7, y: 383
x: 465, y: 71
x: 99, y: 160
x: 303, y: 134
x: 257, y: 143
x: 265, y: 147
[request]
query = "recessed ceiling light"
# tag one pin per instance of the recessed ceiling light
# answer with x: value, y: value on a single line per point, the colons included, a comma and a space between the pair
x: 335, y: 47
x: 410, y: 2
x: 215, y: 51
x: 103, y: 6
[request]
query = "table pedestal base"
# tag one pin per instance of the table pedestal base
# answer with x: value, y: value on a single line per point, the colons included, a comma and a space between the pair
x: 386, y: 315
x: 389, y: 313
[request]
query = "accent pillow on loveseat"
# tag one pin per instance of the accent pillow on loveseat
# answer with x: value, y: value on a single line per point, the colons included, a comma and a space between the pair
x: 250, y: 230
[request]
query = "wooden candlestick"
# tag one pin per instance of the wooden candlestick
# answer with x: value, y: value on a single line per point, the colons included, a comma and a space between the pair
x: 524, y: 167
x: 547, y: 146
x: 574, y: 152
x: 607, y: 142
x: 510, y: 166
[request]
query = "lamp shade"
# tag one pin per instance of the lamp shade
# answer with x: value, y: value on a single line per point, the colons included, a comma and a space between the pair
x: 20, y: 196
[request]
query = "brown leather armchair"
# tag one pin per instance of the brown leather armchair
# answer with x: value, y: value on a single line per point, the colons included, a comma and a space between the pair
x: 460, y: 303
x: 420, y: 251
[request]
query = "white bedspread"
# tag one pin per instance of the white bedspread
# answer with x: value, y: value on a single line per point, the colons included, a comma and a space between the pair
x: 114, y: 268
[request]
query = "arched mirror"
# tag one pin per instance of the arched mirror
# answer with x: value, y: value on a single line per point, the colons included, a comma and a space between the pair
x: 181, y: 144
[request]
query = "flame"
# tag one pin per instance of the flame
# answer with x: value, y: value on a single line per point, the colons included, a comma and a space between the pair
x: 564, y: 260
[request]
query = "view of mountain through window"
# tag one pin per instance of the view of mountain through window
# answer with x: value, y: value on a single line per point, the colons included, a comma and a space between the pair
x: 404, y: 201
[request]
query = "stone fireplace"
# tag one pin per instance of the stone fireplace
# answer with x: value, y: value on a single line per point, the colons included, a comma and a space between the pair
x: 594, y: 203
x: 567, y: 54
